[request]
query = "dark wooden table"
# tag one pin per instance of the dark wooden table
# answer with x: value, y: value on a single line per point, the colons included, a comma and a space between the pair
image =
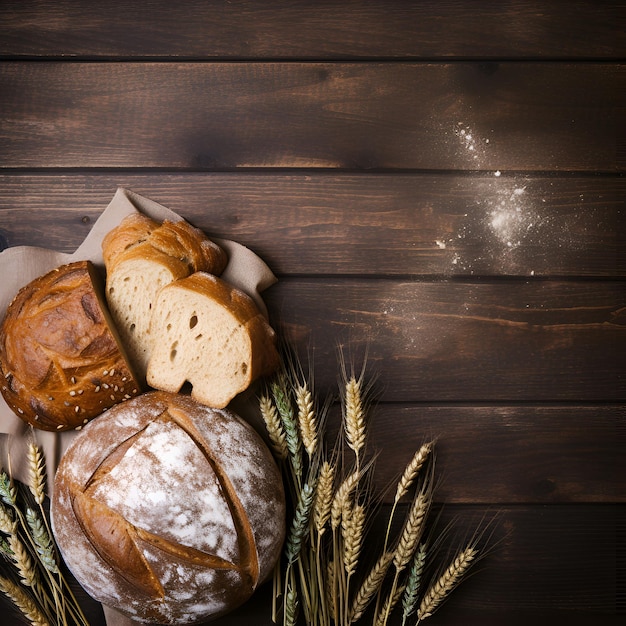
x: 439, y: 182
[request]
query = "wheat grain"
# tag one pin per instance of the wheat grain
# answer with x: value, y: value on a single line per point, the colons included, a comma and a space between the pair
x: 353, y: 527
x: 354, y: 415
x: 412, y: 531
x: 341, y: 497
x: 274, y: 427
x: 446, y: 582
x: 306, y: 418
x: 23, y: 602
x: 37, y: 473
x: 370, y: 586
x: 323, y: 497
x: 412, y: 470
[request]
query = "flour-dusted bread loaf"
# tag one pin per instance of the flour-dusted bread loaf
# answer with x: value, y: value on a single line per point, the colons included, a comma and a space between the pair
x: 211, y: 335
x: 61, y: 361
x: 169, y: 511
x: 141, y: 256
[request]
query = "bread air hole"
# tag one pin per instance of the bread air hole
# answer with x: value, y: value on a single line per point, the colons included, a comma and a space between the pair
x: 132, y: 328
x: 173, y: 351
x: 193, y: 321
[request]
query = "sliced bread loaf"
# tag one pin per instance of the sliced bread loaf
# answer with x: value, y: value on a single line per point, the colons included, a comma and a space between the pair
x: 141, y: 256
x: 211, y: 335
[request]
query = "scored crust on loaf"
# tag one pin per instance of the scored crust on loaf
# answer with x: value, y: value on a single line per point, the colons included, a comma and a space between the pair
x: 211, y: 335
x: 61, y: 360
x: 169, y: 511
x: 141, y: 256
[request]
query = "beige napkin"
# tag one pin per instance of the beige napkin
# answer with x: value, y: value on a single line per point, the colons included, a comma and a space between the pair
x: 21, y: 264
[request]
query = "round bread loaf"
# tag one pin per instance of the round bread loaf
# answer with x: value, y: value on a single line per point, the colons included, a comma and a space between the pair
x: 60, y: 357
x: 169, y: 511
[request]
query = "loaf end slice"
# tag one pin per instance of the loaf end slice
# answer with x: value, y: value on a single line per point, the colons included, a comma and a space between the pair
x: 211, y: 335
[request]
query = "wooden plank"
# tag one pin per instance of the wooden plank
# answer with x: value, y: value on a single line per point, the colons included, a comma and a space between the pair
x: 365, y: 224
x: 350, y: 29
x: 550, y: 560
x: 504, y: 454
x: 356, y: 116
x: 505, y: 341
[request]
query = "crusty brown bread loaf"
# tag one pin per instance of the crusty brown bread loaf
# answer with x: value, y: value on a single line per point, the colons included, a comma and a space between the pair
x: 211, y: 335
x: 169, y: 511
x: 60, y: 358
x: 141, y: 256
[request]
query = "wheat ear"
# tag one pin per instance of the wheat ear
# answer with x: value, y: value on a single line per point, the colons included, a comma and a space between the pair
x: 22, y: 561
x: 354, y: 419
x: 37, y: 473
x: 342, y: 497
x: 23, y: 602
x: 274, y: 427
x: 412, y: 531
x: 306, y: 418
x: 43, y: 542
x: 352, y: 527
x: 300, y: 523
x: 413, y: 583
x: 446, y: 582
x: 323, y: 497
x: 292, y: 437
x: 390, y: 603
x: 370, y: 586
x: 412, y: 470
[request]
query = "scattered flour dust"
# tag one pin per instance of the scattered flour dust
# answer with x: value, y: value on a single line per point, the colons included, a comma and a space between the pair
x: 502, y: 220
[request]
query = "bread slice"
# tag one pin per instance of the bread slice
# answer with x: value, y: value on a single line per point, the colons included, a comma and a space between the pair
x: 211, y: 335
x: 141, y: 256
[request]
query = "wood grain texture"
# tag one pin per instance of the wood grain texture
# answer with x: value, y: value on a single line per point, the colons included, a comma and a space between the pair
x: 505, y: 454
x: 457, y: 341
x: 323, y: 223
x: 298, y: 29
x: 436, y: 116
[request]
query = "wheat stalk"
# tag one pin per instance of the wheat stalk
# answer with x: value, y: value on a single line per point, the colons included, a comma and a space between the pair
x: 23, y: 602
x: 446, y: 582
